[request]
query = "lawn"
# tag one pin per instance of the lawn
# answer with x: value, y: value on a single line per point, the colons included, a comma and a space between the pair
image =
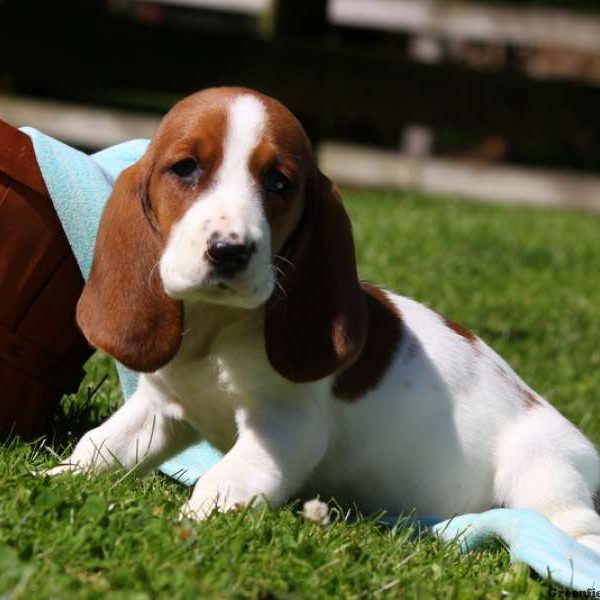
x: 525, y: 280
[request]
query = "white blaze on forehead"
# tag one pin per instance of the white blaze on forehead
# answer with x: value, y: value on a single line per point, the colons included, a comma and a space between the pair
x: 245, y: 125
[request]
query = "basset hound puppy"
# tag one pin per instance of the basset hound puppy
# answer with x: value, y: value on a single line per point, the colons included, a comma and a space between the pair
x: 225, y: 274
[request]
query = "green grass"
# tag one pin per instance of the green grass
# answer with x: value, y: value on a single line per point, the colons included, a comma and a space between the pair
x: 524, y: 279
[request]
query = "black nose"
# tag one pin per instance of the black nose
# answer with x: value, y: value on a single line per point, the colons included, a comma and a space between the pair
x: 227, y: 258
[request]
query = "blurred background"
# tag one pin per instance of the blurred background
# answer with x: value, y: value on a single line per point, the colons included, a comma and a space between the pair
x: 491, y: 100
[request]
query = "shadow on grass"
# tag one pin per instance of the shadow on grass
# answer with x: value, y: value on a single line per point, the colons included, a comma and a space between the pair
x: 99, y: 395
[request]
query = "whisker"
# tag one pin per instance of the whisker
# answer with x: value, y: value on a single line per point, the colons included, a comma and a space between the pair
x: 278, y: 271
x: 281, y: 289
x: 284, y: 259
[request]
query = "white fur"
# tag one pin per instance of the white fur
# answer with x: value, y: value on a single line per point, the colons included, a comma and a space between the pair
x: 446, y: 431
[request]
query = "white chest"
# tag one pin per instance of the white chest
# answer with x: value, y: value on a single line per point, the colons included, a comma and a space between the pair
x: 221, y: 368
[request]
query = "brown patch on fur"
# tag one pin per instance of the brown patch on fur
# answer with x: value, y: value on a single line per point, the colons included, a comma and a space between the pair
x: 195, y: 128
x: 119, y: 311
x: 383, y: 339
x: 531, y: 400
x: 460, y: 330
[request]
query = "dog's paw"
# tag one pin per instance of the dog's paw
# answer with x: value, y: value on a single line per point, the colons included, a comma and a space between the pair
x: 210, y: 497
x: 59, y: 470
x: 198, y: 512
x: 199, y: 509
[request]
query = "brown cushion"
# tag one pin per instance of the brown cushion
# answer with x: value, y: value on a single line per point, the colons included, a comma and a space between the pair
x: 41, y: 349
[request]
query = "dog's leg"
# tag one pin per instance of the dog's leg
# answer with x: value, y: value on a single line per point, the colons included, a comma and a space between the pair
x: 547, y: 465
x: 144, y: 432
x: 276, y: 450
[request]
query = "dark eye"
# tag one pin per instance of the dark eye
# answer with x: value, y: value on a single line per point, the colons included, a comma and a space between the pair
x: 185, y: 168
x: 276, y: 182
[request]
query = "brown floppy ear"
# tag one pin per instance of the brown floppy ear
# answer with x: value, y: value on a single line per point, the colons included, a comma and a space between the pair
x: 124, y: 309
x: 316, y: 324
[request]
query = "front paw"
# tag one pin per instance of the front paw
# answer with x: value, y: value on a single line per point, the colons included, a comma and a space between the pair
x: 60, y: 470
x: 198, y: 511
x: 210, y: 497
x: 85, y: 459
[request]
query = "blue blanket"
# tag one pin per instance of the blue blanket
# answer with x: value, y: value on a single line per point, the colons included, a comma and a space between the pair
x: 80, y: 185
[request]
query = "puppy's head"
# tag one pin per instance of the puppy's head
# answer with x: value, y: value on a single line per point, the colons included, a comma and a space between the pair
x: 226, y: 207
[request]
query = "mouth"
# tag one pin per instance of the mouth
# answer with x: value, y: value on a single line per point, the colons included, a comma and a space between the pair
x: 217, y: 290
x: 192, y: 290
x: 214, y: 282
x: 210, y: 287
